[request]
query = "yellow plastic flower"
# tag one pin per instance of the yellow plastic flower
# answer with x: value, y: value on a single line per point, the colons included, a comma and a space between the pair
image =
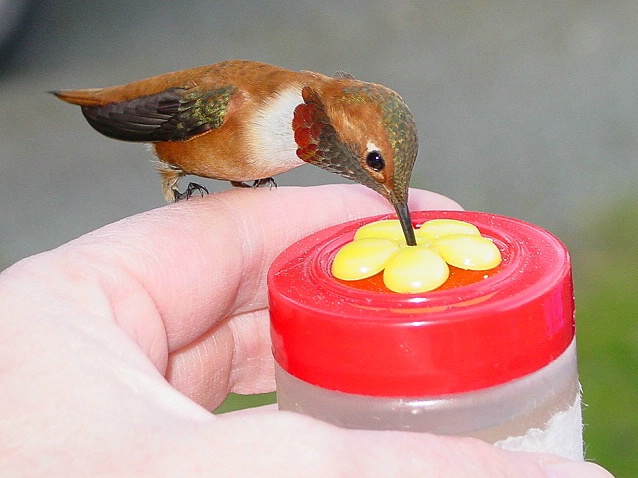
x: 380, y: 246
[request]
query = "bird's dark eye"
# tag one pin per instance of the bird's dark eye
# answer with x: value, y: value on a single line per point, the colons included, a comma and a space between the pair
x: 375, y: 161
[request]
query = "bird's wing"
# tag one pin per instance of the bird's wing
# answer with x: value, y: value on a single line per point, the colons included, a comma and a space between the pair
x: 174, y: 114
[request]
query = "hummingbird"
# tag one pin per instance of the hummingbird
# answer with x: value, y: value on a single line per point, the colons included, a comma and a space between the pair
x: 244, y: 121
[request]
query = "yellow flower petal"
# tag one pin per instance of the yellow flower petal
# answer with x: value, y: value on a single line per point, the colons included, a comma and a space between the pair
x: 436, y: 228
x: 363, y: 258
x: 415, y: 269
x: 469, y: 252
x: 388, y: 229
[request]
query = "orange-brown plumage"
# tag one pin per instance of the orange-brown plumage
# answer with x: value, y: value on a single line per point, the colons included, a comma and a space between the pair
x: 234, y: 121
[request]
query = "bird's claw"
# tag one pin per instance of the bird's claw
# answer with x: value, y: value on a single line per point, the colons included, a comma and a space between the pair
x: 265, y: 181
x: 190, y: 190
x: 256, y: 183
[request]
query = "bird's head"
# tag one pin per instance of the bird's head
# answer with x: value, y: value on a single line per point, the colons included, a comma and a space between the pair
x: 361, y: 131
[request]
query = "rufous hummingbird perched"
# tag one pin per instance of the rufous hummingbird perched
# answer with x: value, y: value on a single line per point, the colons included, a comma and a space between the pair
x: 247, y: 121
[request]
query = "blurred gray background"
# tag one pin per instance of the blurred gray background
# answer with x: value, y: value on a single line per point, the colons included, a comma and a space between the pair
x: 524, y: 108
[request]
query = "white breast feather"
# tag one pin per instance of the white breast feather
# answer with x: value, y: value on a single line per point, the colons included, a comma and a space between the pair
x: 271, y: 135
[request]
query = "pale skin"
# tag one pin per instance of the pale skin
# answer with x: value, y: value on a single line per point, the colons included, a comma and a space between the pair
x: 115, y: 347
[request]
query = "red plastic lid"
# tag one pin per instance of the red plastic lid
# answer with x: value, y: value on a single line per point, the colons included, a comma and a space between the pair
x: 448, y: 341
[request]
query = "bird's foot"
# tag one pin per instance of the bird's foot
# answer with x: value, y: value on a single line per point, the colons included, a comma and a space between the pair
x: 270, y: 182
x: 190, y: 190
x: 257, y: 183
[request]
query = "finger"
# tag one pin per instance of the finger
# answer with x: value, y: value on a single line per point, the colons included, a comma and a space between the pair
x: 203, y: 369
x: 172, y: 276
x: 298, y: 444
x: 203, y: 260
x: 233, y: 357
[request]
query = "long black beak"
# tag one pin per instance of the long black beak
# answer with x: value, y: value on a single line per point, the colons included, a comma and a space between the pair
x: 406, y: 223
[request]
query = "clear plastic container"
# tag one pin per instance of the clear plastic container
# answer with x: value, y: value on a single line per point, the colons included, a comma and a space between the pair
x: 493, y: 359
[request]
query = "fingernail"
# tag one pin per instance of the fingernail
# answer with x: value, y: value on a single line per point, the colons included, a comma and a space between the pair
x: 576, y: 470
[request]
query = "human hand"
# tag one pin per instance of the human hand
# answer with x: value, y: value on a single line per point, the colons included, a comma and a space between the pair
x: 116, y: 346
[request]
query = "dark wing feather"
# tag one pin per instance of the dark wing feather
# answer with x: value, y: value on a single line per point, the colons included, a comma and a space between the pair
x: 175, y: 114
